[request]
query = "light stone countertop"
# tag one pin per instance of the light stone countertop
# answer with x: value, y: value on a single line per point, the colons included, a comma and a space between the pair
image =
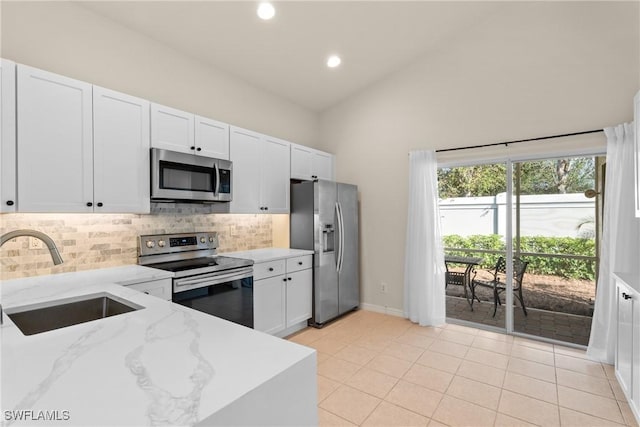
x: 164, y: 364
x: 268, y: 254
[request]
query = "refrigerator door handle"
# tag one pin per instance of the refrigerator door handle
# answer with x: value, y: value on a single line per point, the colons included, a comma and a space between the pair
x: 337, y: 238
x: 340, y: 237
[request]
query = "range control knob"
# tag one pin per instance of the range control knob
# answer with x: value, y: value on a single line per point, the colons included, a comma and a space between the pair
x: 151, y: 244
x: 210, y: 239
x: 161, y: 243
x: 203, y: 240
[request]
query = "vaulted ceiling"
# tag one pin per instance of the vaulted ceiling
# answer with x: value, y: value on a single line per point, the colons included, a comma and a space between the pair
x: 287, y: 55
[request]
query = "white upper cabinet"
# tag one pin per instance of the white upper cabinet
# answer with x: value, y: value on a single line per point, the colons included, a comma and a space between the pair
x: 245, y: 148
x: 274, y: 190
x: 172, y: 129
x: 636, y: 115
x: 121, y: 152
x: 260, y: 172
x: 177, y: 130
x: 212, y: 138
x: 55, y: 150
x: 8, y: 186
x: 322, y: 165
x: 308, y: 163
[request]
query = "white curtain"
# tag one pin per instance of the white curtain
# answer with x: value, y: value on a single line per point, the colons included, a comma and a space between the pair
x: 619, y: 245
x: 424, y: 290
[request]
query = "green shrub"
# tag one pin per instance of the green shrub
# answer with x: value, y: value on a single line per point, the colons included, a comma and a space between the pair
x: 563, y: 267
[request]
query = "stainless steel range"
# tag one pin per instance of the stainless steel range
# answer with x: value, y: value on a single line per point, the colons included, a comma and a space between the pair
x: 218, y: 285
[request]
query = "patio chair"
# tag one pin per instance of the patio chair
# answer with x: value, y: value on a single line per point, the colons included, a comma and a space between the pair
x: 498, y: 283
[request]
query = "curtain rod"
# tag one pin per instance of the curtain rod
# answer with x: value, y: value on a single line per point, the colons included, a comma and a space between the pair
x: 506, y: 144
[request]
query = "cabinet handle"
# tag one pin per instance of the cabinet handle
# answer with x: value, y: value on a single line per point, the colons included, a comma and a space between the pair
x: 89, y: 204
x: 193, y: 148
x: 9, y: 202
x: 270, y: 268
x: 146, y: 292
x: 198, y: 149
x: 100, y: 204
x: 266, y: 208
x: 626, y: 295
x: 284, y: 280
x: 288, y: 278
x: 299, y: 262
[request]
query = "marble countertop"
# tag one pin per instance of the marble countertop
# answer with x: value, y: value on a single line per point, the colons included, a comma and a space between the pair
x: 268, y: 254
x: 163, y: 364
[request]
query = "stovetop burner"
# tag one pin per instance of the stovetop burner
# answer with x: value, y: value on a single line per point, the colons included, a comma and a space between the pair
x: 190, y: 264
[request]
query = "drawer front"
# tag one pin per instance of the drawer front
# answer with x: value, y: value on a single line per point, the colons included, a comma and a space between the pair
x: 299, y: 263
x: 268, y: 269
x: 157, y: 288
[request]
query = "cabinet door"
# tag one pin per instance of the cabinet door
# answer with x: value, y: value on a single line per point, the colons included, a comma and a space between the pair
x: 212, y: 138
x: 301, y: 162
x: 55, y: 147
x: 636, y: 115
x: 172, y: 129
x: 245, y: 149
x: 121, y: 152
x: 322, y: 165
x: 269, y: 304
x: 624, y: 350
x: 7, y: 136
x: 299, y: 291
x: 274, y: 184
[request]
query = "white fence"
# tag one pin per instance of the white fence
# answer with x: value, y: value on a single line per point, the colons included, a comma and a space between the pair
x: 557, y: 215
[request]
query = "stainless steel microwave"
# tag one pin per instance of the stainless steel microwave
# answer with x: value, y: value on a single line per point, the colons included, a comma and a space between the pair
x: 188, y: 177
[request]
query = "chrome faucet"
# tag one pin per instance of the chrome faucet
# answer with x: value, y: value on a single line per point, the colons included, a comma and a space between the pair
x: 53, y: 250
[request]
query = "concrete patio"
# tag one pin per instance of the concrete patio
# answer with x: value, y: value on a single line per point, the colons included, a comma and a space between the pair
x: 549, y: 324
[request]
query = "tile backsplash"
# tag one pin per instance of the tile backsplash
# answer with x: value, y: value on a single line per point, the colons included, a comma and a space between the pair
x: 90, y: 241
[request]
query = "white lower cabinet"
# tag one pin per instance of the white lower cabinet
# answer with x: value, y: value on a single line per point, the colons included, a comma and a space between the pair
x: 627, y: 360
x: 160, y: 288
x: 282, y: 293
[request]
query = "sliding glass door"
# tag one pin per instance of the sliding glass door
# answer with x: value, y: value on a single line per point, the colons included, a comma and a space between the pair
x: 521, y: 243
x: 555, y: 238
x: 474, y: 227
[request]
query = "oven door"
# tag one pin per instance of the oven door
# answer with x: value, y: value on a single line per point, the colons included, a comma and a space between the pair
x: 179, y: 176
x: 228, y: 295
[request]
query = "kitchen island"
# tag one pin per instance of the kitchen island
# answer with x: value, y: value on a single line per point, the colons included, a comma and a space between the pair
x: 162, y: 364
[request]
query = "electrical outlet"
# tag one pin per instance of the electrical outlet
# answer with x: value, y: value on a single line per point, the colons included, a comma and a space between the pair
x: 35, y: 243
x: 383, y: 287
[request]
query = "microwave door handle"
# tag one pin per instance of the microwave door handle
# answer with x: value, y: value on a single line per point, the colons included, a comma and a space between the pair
x: 217, y: 186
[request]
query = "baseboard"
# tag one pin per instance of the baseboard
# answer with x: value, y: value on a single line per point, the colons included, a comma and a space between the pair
x: 382, y: 309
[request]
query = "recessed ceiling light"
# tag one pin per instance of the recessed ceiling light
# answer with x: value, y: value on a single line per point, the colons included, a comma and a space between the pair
x: 266, y: 11
x: 333, y: 61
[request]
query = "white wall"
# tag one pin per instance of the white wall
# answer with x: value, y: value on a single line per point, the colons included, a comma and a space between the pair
x: 68, y: 39
x: 533, y: 69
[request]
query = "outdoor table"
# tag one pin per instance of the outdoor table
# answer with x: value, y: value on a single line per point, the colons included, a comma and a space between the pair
x: 470, y: 263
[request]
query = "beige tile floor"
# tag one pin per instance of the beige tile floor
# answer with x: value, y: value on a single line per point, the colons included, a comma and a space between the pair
x: 375, y: 369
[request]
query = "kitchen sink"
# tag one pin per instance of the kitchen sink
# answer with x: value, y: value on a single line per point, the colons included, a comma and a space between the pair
x: 37, y: 318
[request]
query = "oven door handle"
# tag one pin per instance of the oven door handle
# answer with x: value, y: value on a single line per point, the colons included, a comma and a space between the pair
x: 214, y: 279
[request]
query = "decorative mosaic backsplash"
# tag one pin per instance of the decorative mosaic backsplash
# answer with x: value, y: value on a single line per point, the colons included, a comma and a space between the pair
x: 90, y: 241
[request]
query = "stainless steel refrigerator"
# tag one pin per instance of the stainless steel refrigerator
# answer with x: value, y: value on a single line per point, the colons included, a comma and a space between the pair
x: 324, y: 218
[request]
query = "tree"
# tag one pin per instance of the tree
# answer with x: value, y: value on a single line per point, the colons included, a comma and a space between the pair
x: 469, y: 181
x: 558, y: 176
